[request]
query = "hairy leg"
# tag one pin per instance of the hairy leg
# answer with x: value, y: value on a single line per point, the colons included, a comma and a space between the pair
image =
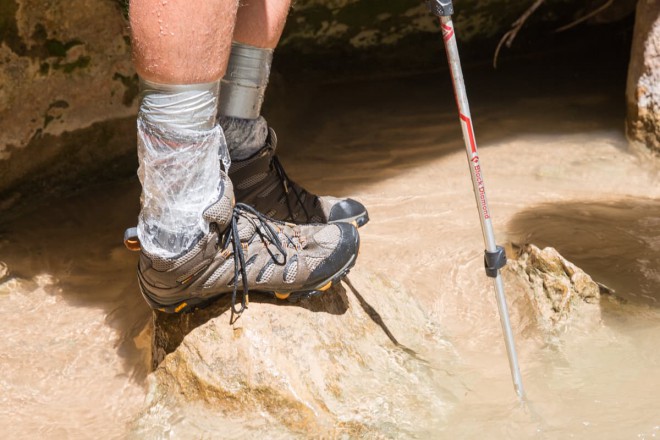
x: 182, y: 42
x: 260, y: 23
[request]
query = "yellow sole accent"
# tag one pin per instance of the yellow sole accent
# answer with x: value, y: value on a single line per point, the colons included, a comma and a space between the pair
x: 282, y: 295
x: 180, y: 307
x: 132, y: 245
x: 326, y: 287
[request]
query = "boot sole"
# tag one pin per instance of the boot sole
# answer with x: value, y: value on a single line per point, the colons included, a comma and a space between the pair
x: 191, y: 304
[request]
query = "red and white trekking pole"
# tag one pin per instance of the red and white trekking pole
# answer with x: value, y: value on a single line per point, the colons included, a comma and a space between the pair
x: 495, y: 258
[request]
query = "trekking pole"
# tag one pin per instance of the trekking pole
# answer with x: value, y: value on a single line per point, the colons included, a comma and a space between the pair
x: 495, y: 257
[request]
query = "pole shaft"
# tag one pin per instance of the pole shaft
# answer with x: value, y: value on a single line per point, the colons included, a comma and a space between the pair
x: 480, y: 191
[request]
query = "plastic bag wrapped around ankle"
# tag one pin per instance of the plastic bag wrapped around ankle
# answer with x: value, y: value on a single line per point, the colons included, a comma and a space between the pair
x: 179, y: 172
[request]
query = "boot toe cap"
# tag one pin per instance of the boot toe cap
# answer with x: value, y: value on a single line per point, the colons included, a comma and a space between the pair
x: 348, y: 210
x: 342, y: 257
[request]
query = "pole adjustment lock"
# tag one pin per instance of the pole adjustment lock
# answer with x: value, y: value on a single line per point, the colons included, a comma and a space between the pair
x: 441, y: 8
x: 494, y: 261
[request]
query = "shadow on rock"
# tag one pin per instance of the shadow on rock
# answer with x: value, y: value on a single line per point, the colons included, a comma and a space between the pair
x: 616, y: 242
x: 378, y: 320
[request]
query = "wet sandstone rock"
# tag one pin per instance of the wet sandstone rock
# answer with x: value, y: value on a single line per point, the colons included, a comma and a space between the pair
x: 65, y: 68
x: 643, y: 88
x: 327, y: 367
x: 549, y: 292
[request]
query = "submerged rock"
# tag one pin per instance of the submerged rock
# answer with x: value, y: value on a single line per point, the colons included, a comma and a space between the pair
x: 329, y: 366
x: 550, y: 291
x: 643, y: 89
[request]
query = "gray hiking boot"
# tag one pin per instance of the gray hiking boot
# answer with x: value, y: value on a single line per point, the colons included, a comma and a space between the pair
x: 260, y: 181
x: 245, y: 250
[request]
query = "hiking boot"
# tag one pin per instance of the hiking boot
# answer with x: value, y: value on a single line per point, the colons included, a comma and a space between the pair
x: 246, y: 250
x: 260, y: 181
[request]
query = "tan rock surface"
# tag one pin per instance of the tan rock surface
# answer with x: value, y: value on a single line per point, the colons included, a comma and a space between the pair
x: 326, y: 366
x: 549, y: 291
x: 65, y: 67
x: 643, y: 89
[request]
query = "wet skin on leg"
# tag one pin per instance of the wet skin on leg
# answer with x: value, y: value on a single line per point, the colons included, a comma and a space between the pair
x: 260, y: 23
x: 181, y: 42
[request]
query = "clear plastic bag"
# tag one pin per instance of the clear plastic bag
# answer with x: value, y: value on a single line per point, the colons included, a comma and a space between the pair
x: 179, y: 172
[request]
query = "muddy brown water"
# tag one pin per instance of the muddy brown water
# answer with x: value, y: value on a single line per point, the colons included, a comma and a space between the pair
x: 75, y: 345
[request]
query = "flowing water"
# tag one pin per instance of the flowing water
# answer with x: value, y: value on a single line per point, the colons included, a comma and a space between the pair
x: 75, y: 346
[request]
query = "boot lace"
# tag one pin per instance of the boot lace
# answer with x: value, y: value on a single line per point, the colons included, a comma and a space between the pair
x: 289, y: 186
x: 267, y: 234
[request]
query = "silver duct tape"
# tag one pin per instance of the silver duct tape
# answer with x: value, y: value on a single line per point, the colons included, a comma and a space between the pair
x: 244, y: 85
x: 186, y: 106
